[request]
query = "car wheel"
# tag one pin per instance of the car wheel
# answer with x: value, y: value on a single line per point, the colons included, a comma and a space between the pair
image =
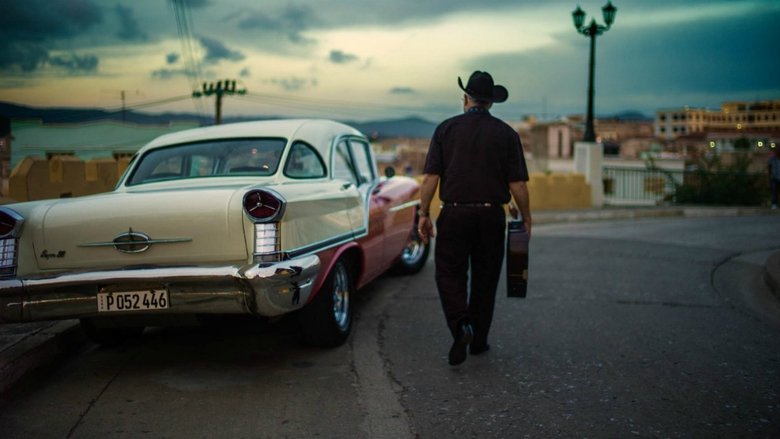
x: 327, y: 320
x: 109, y: 336
x: 414, y: 255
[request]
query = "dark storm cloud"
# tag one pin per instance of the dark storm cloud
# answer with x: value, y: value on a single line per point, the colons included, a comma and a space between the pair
x: 385, y: 13
x: 29, y: 28
x: 129, y: 30
x: 169, y: 73
x: 216, y: 51
x: 21, y: 55
x: 293, y: 83
x: 650, y: 67
x: 75, y: 64
x: 727, y: 54
x: 341, y: 57
x: 402, y: 91
x: 195, y: 3
x: 172, y: 58
x: 291, y: 21
x: 39, y: 20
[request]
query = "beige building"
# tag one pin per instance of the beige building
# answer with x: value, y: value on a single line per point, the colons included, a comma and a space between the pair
x: 733, y: 117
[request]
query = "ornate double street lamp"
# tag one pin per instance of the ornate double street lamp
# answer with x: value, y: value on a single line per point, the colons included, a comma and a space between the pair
x: 592, y: 30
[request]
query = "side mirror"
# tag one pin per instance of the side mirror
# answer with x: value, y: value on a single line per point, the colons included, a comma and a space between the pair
x: 389, y: 172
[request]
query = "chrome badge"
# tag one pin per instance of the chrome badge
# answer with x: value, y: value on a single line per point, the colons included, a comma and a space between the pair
x: 134, y: 242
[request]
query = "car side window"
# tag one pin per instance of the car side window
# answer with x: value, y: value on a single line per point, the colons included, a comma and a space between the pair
x: 304, y: 162
x: 169, y: 168
x: 362, y: 155
x: 201, y: 165
x: 343, y: 168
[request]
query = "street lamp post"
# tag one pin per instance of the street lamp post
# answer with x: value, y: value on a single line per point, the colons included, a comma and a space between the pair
x: 592, y: 30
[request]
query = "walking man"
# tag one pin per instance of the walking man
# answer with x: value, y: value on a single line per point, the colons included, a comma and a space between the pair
x: 477, y: 162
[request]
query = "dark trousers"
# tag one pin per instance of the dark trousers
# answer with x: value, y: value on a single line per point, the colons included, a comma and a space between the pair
x: 469, y: 237
x: 773, y: 187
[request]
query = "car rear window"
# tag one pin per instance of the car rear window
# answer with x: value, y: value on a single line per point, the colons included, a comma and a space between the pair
x: 217, y: 158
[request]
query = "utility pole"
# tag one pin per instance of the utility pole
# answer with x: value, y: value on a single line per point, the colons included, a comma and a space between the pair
x: 220, y: 88
x: 123, y: 106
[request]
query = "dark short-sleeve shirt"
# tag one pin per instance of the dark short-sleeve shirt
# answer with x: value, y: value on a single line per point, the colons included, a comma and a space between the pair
x: 476, y: 156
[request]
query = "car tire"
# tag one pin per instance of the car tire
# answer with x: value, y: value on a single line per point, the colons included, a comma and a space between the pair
x: 109, y: 336
x: 413, y: 256
x: 327, y: 320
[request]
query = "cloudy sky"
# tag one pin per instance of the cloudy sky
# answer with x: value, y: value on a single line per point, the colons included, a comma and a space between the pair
x: 365, y: 59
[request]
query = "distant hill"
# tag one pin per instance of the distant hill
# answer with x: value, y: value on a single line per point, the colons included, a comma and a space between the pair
x: 407, y: 127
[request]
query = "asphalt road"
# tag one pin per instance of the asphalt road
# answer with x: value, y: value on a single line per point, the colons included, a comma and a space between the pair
x: 646, y: 328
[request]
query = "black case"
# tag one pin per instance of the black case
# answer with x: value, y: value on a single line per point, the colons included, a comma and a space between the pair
x: 516, y: 259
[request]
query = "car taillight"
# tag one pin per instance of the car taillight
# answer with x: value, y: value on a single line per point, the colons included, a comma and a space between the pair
x: 265, y: 208
x: 7, y: 255
x: 267, y: 243
x: 263, y: 205
x: 10, y: 225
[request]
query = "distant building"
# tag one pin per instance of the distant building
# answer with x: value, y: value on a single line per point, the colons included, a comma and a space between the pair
x: 733, y: 117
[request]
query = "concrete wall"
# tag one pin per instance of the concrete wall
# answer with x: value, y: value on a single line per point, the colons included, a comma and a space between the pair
x: 36, y: 178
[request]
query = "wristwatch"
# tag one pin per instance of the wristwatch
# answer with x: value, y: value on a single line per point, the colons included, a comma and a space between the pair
x: 422, y: 213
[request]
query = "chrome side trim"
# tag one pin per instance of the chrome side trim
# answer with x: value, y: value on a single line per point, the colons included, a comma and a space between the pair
x: 150, y: 241
x: 406, y: 205
x: 325, y: 244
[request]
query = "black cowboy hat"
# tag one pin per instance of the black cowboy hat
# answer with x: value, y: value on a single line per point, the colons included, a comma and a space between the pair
x: 481, y: 87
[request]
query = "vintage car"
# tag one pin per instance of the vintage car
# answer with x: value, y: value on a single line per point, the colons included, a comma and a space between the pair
x: 260, y: 218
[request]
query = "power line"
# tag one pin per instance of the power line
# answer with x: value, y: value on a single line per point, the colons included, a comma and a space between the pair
x: 190, y: 52
x: 155, y: 102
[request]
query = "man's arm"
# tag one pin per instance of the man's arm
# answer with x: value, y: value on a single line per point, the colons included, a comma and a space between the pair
x: 427, y: 190
x: 519, y: 192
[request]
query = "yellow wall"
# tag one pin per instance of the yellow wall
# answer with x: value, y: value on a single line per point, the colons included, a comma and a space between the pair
x: 558, y: 191
x: 548, y: 192
x: 35, y: 178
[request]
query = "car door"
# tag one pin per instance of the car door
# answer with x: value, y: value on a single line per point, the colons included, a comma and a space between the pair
x: 357, y: 153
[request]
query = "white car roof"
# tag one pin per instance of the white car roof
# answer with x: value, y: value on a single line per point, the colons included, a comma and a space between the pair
x: 317, y: 132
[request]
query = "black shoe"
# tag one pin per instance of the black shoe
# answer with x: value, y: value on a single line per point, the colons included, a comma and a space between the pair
x: 458, y: 349
x: 478, y: 349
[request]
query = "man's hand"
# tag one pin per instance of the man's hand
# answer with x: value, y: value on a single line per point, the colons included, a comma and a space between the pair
x: 425, y: 228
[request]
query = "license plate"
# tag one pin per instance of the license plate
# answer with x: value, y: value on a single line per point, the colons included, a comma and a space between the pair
x: 132, y: 300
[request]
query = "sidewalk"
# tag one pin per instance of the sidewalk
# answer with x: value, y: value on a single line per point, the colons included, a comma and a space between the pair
x: 27, y: 347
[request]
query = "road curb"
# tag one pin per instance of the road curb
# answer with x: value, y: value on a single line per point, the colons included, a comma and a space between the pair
x: 38, y: 350
x: 618, y: 213
x: 772, y: 274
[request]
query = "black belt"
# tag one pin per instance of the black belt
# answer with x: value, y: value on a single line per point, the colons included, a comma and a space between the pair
x: 458, y: 204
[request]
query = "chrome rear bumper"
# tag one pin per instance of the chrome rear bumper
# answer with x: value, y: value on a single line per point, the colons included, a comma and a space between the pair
x: 267, y: 289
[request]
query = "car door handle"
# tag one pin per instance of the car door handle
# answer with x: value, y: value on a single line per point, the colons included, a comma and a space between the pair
x: 346, y: 186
